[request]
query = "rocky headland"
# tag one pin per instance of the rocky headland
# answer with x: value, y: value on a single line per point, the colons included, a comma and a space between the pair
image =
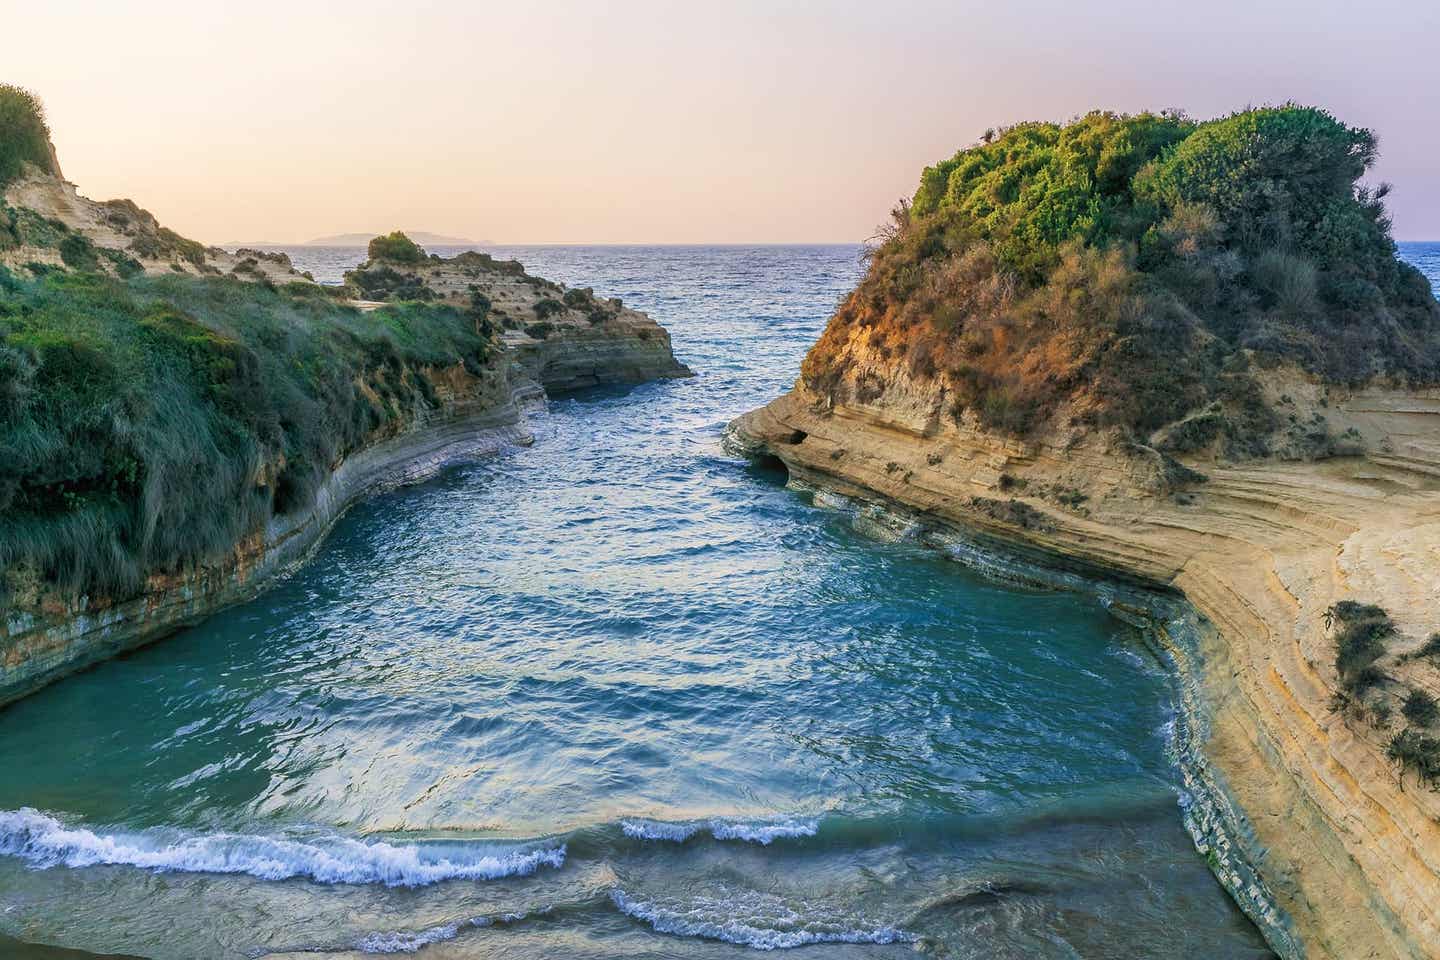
x: 1074, y: 348
x: 182, y: 423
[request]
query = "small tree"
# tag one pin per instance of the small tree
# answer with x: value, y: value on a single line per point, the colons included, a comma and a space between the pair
x: 396, y: 248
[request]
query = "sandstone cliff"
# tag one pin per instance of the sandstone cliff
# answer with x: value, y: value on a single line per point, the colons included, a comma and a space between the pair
x: 1345, y: 850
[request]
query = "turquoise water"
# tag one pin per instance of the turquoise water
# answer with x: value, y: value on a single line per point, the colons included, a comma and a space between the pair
x: 619, y: 694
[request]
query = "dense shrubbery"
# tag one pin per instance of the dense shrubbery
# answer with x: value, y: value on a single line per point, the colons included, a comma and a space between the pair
x: 149, y: 424
x: 1359, y: 642
x: 547, y: 307
x: 1412, y: 750
x: 386, y: 283
x: 1128, y: 267
x: 396, y: 248
x: 24, y: 137
x: 1420, y: 708
x: 474, y: 258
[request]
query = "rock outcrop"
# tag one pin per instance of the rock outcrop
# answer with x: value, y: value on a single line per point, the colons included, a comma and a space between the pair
x: 1347, y: 852
x: 122, y: 238
x: 562, y: 338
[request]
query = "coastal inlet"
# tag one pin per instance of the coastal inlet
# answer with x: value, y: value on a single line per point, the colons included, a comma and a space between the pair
x: 619, y: 694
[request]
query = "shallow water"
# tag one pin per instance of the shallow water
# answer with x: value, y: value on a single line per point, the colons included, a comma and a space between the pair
x: 618, y: 694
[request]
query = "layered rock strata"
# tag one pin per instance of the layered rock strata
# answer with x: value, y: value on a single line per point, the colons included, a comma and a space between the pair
x: 1308, y: 823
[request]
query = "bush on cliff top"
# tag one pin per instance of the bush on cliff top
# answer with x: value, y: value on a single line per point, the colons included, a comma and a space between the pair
x: 1127, y: 269
x: 24, y: 137
x: 396, y: 248
x: 151, y: 424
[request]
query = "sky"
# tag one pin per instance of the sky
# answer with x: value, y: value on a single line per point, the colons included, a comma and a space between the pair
x: 641, y: 121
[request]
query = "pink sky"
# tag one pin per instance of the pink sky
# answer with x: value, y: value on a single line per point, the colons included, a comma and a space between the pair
x: 661, y: 122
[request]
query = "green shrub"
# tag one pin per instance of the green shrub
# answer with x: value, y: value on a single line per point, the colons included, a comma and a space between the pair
x: 1430, y: 649
x: 24, y: 136
x: 33, y: 230
x: 396, y: 248
x: 79, y: 253
x: 547, y: 307
x: 125, y: 266
x: 1359, y: 643
x: 1411, y: 750
x: 387, y: 283
x: 539, y: 331
x: 1420, y: 708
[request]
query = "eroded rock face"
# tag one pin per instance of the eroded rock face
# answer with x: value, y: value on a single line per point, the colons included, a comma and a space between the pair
x: 124, y: 238
x: 1347, y: 855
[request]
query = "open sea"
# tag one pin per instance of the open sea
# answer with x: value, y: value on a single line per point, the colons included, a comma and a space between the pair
x: 619, y: 694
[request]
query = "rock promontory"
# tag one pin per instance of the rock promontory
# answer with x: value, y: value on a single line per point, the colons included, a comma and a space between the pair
x: 1184, y: 355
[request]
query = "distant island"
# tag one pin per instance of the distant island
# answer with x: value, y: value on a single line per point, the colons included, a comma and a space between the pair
x: 422, y: 237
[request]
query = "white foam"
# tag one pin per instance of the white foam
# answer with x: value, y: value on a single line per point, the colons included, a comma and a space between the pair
x: 757, y: 920
x: 402, y: 942
x: 44, y: 841
x: 762, y: 832
x: 411, y: 942
x: 659, y: 830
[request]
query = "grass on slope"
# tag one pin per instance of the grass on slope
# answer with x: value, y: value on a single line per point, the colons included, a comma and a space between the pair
x: 149, y: 424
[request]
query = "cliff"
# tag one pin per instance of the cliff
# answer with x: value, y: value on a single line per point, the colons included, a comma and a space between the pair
x: 1096, y: 408
x: 181, y: 424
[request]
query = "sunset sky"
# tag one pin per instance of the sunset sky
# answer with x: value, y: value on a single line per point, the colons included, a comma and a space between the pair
x: 660, y: 122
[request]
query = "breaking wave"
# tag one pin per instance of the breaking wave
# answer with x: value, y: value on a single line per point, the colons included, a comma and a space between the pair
x: 44, y: 841
x: 762, y: 832
x: 761, y: 921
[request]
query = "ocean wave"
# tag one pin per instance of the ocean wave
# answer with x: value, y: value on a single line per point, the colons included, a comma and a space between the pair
x: 762, y: 832
x: 757, y: 920
x: 402, y: 941
x: 44, y: 841
x: 407, y: 942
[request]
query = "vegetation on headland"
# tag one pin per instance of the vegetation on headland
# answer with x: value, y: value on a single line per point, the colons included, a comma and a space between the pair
x: 397, y: 248
x: 1131, y: 271
x: 24, y: 136
x: 150, y: 423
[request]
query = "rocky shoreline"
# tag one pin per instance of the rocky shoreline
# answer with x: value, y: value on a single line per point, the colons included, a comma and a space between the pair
x: 1295, y: 806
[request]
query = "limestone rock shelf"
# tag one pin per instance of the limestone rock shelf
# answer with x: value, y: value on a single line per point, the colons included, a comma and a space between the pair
x: 1348, y: 855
